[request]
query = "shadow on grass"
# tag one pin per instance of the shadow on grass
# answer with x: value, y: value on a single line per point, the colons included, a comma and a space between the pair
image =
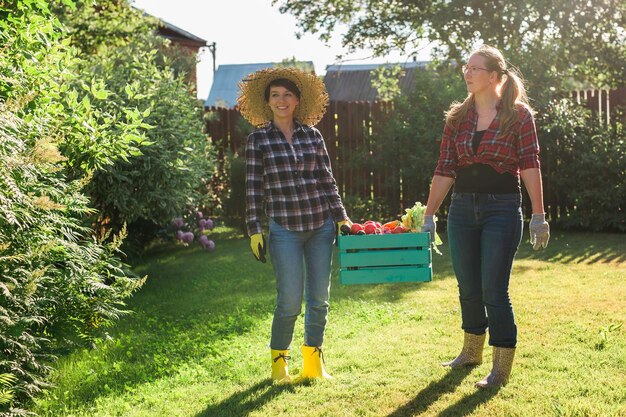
x: 244, y: 402
x: 192, y: 303
x: 570, y: 247
x: 429, y: 395
x: 469, y: 403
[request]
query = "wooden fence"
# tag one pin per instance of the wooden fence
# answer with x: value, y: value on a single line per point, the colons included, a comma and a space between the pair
x: 348, y: 127
x: 602, y: 102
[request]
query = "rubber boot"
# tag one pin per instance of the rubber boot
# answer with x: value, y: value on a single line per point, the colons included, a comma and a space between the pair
x: 280, y: 370
x: 313, y: 363
x: 472, y: 352
x: 501, y: 370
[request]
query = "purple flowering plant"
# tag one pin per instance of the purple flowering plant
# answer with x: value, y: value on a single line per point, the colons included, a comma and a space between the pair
x: 193, y: 226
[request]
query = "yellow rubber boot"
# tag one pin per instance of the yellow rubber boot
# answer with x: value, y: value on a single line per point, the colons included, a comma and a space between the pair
x: 313, y: 367
x: 501, y: 369
x: 280, y: 370
x: 472, y: 352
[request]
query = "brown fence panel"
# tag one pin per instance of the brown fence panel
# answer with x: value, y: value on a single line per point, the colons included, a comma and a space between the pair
x: 344, y: 139
x: 326, y: 126
x: 603, y: 103
x: 362, y: 168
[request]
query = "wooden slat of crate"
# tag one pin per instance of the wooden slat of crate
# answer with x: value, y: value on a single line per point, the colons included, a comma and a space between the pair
x: 386, y: 275
x: 385, y: 257
x: 400, y: 240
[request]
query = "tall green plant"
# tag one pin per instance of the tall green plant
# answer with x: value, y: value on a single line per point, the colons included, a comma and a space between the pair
x: 58, y: 285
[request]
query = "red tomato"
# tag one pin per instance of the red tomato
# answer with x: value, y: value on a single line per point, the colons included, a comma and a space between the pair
x: 355, y: 228
x: 400, y: 229
x: 370, y: 228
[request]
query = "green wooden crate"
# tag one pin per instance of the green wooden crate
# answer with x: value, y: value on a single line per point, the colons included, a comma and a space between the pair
x: 374, y: 259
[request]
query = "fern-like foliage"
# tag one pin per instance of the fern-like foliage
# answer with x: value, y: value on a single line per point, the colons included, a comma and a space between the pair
x: 58, y: 284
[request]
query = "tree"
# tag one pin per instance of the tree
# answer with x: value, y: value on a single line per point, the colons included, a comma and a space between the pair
x: 548, y: 40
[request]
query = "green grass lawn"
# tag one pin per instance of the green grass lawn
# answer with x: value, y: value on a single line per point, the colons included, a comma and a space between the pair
x: 197, y: 344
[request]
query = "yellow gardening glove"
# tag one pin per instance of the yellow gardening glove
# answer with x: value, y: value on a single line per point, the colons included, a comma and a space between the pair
x: 345, y: 222
x: 257, y: 244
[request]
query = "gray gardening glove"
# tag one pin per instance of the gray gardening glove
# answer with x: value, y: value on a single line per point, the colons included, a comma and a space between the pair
x: 430, y: 225
x: 539, y: 231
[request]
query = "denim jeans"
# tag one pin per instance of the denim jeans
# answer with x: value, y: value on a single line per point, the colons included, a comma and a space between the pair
x: 484, y: 232
x: 290, y: 252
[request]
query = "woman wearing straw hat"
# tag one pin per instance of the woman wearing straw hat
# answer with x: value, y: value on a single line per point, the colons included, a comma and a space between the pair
x: 289, y: 179
x: 489, y: 142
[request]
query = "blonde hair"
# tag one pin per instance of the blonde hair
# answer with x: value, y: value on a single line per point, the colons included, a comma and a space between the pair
x: 513, y: 94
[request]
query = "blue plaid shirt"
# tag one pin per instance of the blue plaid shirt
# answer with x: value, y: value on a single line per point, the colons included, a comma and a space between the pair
x: 292, y: 184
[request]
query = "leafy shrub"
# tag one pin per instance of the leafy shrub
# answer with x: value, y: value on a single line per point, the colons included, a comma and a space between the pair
x: 234, y: 169
x: 235, y: 201
x: 584, y: 165
x: 168, y: 171
x: 360, y: 210
x: 58, y: 285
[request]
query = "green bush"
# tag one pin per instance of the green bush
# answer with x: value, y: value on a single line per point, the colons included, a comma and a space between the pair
x: 234, y: 180
x: 584, y: 164
x: 167, y: 173
x: 58, y: 284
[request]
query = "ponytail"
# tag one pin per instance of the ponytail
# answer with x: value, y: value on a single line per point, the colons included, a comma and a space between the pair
x: 512, y: 96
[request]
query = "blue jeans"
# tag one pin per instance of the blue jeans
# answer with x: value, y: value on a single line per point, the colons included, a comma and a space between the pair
x: 290, y: 252
x: 484, y: 232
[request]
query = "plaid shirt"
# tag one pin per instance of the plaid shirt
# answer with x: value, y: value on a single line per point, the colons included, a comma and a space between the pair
x: 292, y: 184
x: 517, y: 150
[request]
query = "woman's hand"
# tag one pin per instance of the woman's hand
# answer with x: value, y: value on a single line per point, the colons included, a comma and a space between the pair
x: 539, y: 231
x: 257, y: 244
x: 430, y: 226
x: 344, y: 222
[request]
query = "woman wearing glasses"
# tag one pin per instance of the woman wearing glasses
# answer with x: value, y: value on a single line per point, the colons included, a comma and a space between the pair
x: 489, y: 142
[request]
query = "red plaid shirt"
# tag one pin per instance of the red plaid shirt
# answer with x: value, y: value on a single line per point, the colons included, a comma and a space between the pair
x: 292, y: 184
x: 517, y: 150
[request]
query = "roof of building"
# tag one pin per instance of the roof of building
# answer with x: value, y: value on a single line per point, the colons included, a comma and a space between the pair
x: 224, y: 89
x: 178, y: 35
x: 354, y: 82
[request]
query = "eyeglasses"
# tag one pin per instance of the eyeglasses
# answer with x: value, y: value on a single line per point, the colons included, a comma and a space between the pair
x: 473, y: 69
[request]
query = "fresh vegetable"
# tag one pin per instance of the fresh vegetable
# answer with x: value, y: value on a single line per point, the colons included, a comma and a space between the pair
x: 356, y: 227
x: 414, y: 219
x: 370, y: 228
x: 400, y: 229
x: 391, y: 225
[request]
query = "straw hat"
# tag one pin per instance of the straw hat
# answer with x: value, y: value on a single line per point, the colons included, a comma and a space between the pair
x: 313, y: 95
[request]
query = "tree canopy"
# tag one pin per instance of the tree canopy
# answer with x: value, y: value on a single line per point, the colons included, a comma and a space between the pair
x: 580, y: 38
